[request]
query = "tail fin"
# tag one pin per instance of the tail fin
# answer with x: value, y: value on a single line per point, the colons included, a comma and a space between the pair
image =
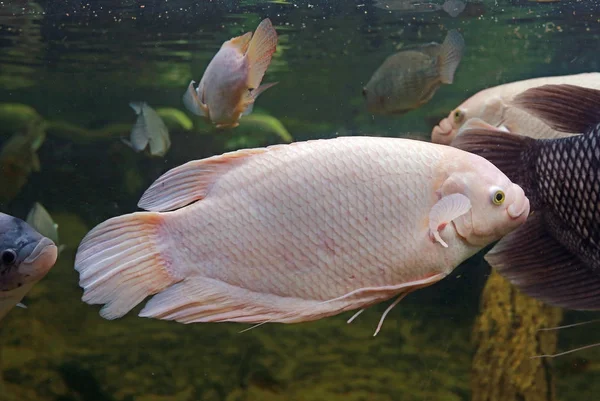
x: 451, y: 53
x: 261, y: 49
x: 137, y: 107
x: 120, y: 263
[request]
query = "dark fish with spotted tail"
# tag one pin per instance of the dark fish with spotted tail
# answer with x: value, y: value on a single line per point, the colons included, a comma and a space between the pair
x: 555, y: 256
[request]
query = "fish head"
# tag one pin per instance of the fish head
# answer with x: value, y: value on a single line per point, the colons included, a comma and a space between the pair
x: 446, y: 130
x: 25, y: 255
x: 498, y: 206
x: 483, y: 105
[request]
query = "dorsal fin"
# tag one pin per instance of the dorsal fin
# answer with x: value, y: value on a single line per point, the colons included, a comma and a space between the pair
x: 241, y: 42
x: 191, y: 181
x: 260, y: 51
x: 566, y: 108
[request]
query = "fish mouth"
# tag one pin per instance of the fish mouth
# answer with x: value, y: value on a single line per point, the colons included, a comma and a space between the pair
x: 442, y: 133
x: 44, y: 253
x: 519, y: 210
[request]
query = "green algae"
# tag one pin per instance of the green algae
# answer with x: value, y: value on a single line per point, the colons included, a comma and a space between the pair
x: 506, y: 336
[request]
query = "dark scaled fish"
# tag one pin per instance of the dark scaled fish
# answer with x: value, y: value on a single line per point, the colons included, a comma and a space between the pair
x: 25, y: 258
x: 555, y: 255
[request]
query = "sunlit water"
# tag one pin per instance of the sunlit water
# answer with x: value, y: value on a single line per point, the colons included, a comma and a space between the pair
x: 80, y: 64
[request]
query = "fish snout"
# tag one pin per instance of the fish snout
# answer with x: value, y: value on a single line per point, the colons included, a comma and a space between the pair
x: 443, y: 133
x: 519, y: 209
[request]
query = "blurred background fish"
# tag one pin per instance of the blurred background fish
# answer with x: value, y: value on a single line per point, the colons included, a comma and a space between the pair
x: 410, y: 78
x: 149, y: 131
x: 18, y: 159
x: 39, y: 218
x: 452, y: 7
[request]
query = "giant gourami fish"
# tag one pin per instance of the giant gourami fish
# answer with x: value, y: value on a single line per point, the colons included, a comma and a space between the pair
x: 494, y: 107
x: 555, y: 255
x: 232, y: 81
x: 297, y: 232
x: 26, y: 256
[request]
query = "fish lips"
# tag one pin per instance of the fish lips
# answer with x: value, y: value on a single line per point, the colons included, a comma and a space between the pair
x: 41, y: 259
x: 443, y: 133
x: 519, y: 211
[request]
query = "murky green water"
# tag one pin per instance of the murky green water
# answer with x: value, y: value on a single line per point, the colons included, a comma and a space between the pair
x: 79, y: 64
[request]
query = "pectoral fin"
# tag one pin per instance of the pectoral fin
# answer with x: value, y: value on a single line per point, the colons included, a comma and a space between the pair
x: 444, y: 211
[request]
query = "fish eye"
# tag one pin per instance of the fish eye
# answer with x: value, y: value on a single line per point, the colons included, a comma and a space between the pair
x: 459, y: 116
x: 8, y: 257
x: 498, y: 197
x: 364, y: 92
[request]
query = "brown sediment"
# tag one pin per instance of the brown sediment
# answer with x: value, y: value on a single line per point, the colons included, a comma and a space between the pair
x: 505, y: 337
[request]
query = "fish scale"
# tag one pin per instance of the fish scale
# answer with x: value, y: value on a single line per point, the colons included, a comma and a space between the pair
x: 580, y: 157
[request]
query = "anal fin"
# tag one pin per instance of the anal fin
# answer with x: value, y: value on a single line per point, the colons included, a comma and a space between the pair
x: 536, y: 263
x: 200, y: 299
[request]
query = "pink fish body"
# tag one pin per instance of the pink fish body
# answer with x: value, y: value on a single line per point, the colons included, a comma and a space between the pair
x: 231, y: 82
x: 297, y: 232
x: 493, y: 106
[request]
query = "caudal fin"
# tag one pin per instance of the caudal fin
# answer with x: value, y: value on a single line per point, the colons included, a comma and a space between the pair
x: 120, y: 263
x: 261, y: 49
x: 451, y: 53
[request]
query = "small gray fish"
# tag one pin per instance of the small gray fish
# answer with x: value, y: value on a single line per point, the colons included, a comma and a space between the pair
x: 407, y: 6
x: 149, y: 129
x: 25, y: 258
x: 454, y: 7
x: 39, y: 218
x: 555, y: 255
x: 19, y: 159
x: 409, y: 79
